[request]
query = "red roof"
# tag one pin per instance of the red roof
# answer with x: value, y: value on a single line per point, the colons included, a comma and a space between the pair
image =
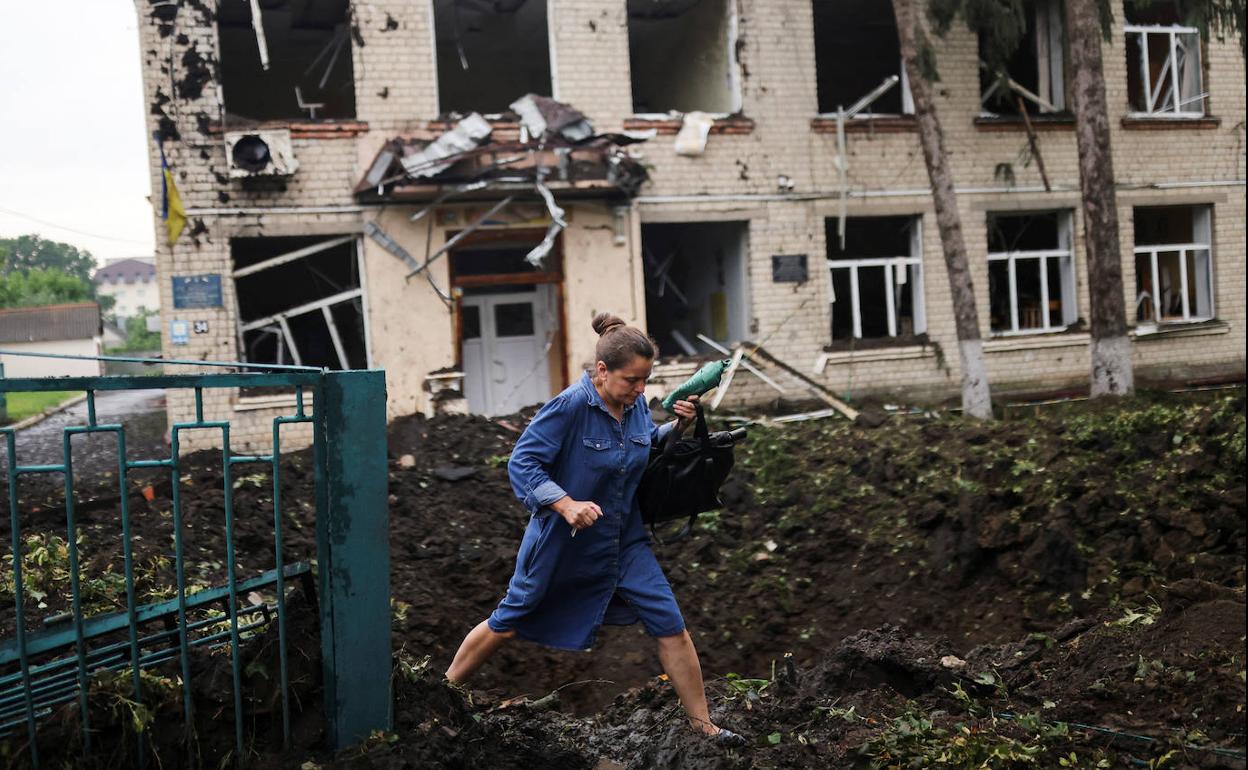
x: 75, y: 321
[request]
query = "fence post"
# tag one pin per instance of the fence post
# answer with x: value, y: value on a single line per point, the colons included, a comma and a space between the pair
x: 353, y: 553
x: 4, y: 401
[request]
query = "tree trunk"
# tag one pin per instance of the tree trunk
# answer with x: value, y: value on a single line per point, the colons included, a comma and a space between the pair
x: 976, y: 398
x: 1111, y: 348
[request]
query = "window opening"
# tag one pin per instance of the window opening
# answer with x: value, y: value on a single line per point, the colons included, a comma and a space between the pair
x: 1031, y: 272
x: 1037, y: 70
x: 1164, y: 72
x: 856, y: 49
x: 695, y: 275
x: 490, y: 53
x: 682, y: 56
x: 1173, y: 264
x: 295, y: 64
x: 877, y: 278
x: 300, y: 300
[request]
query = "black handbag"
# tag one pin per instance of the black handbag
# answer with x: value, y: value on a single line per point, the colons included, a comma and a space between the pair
x: 683, y: 476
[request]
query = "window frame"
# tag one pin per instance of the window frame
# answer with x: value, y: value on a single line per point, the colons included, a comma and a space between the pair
x: 915, y: 258
x: 551, y: 54
x: 1050, y: 24
x: 1069, y: 284
x: 278, y: 323
x: 907, y: 102
x: 1202, y: 221
x: 1173, y: 31
x: 736, y: 93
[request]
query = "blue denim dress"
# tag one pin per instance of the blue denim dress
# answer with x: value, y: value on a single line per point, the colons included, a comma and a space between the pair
x: 565, y: 587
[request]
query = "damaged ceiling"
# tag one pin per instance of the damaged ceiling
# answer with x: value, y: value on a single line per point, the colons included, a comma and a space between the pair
x: 550, y: 147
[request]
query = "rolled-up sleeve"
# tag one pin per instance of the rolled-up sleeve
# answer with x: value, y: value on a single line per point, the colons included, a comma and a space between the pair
x: 535, y: 454
x: 657, y: 432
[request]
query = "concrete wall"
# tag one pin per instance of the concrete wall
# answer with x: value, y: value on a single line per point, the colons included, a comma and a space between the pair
x: 738, y: 178
x: 27, y: 366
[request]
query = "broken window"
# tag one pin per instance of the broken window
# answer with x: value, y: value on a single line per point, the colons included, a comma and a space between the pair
x: 490, y: 53
x: 856, y: 51
x: 1173, y: 264
x: 877, y: 278
x: 1036, y: 73
x: 1163, y: 62
x: 682, y: 56
x: 300, y: 301
x: 292, y: 62
x: 1031, y: 272
x: 695, y: 276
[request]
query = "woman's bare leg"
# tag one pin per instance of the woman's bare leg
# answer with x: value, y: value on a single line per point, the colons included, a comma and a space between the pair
x: 680, y: 663
x: 477, y: 647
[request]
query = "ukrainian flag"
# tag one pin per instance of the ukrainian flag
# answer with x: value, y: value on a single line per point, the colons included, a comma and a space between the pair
x: 171, y: 209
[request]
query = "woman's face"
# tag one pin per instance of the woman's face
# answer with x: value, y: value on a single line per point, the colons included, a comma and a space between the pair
x: 623, y: 386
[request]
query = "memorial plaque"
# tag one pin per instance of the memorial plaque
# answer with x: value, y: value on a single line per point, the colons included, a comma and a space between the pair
x: 789, y: 268
x: 191, y: 291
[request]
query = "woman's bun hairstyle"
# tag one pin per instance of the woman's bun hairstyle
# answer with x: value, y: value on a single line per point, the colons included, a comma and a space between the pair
x: 619, y: 343
x: 605, y: 322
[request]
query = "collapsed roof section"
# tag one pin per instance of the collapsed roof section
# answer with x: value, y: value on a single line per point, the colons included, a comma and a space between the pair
x: 549, y: 147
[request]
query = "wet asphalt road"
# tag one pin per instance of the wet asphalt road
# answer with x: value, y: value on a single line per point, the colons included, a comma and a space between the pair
x: 140, y: 412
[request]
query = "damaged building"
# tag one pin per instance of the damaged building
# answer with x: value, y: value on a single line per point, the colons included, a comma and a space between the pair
x: 451, y: 189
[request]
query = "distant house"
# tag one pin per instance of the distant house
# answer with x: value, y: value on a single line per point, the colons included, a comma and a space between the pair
x: 132, y: 283
x: 73, y: 329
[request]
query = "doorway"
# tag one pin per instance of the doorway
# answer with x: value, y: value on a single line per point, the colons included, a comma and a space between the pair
x: 504, y: 348
x: 509, y: 311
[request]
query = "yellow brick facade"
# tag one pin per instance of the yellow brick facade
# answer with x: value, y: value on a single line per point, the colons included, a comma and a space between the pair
x: 736, y: 179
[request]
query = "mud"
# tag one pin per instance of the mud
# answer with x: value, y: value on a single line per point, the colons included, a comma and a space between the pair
x: 1086, y: 564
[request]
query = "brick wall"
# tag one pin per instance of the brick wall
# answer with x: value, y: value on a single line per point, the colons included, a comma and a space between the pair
x: 736, y: 178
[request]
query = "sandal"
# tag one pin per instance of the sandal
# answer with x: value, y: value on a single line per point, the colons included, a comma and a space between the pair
x: 729, y: 740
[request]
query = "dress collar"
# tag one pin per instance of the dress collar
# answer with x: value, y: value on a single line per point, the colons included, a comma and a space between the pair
x: 593, y: 399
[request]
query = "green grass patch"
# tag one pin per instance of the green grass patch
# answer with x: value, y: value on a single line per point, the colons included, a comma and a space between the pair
x: 23, y: 405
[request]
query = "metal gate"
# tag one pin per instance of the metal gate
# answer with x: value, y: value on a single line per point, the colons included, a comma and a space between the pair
x: 43, y: 670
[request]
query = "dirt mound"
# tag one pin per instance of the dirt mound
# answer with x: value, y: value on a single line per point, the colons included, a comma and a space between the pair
x: 882, y: 698
x: 966, y: 533
x: 436, y: 726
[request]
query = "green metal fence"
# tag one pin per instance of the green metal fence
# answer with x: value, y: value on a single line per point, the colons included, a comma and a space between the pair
x: 51, y: 667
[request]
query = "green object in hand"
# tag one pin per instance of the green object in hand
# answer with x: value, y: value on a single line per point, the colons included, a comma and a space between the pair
x: 703, y: 380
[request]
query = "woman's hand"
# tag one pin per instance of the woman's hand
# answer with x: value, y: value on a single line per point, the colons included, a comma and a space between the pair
x: 578, y: 513
x: 686, y: 412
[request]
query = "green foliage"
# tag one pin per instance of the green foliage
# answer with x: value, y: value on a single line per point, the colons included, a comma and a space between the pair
x: 35, y: 271
x: 46, y: 573
x: 1000, y: 25
x: 913, y: 740
x: 922, y: 740
x: 30, y: 252
x: 40, y: 286
x: 23, y: 405
x: 749, y: 690
x: 138, y: 338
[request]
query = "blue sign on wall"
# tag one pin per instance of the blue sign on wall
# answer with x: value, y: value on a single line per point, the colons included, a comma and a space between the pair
x: 191, y: 291
x: 180, y: 332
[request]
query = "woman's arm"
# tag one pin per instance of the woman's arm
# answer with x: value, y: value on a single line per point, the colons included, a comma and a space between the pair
x: 685, y: 415
x: 535, y: 453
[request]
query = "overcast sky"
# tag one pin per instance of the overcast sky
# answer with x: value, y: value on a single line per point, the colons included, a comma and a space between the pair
x: 72, y: 132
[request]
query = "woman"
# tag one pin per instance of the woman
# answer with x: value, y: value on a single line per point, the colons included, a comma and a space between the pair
x: 585, y: 559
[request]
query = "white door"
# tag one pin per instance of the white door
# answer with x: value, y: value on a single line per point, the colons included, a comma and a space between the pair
x: 505, y: 346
